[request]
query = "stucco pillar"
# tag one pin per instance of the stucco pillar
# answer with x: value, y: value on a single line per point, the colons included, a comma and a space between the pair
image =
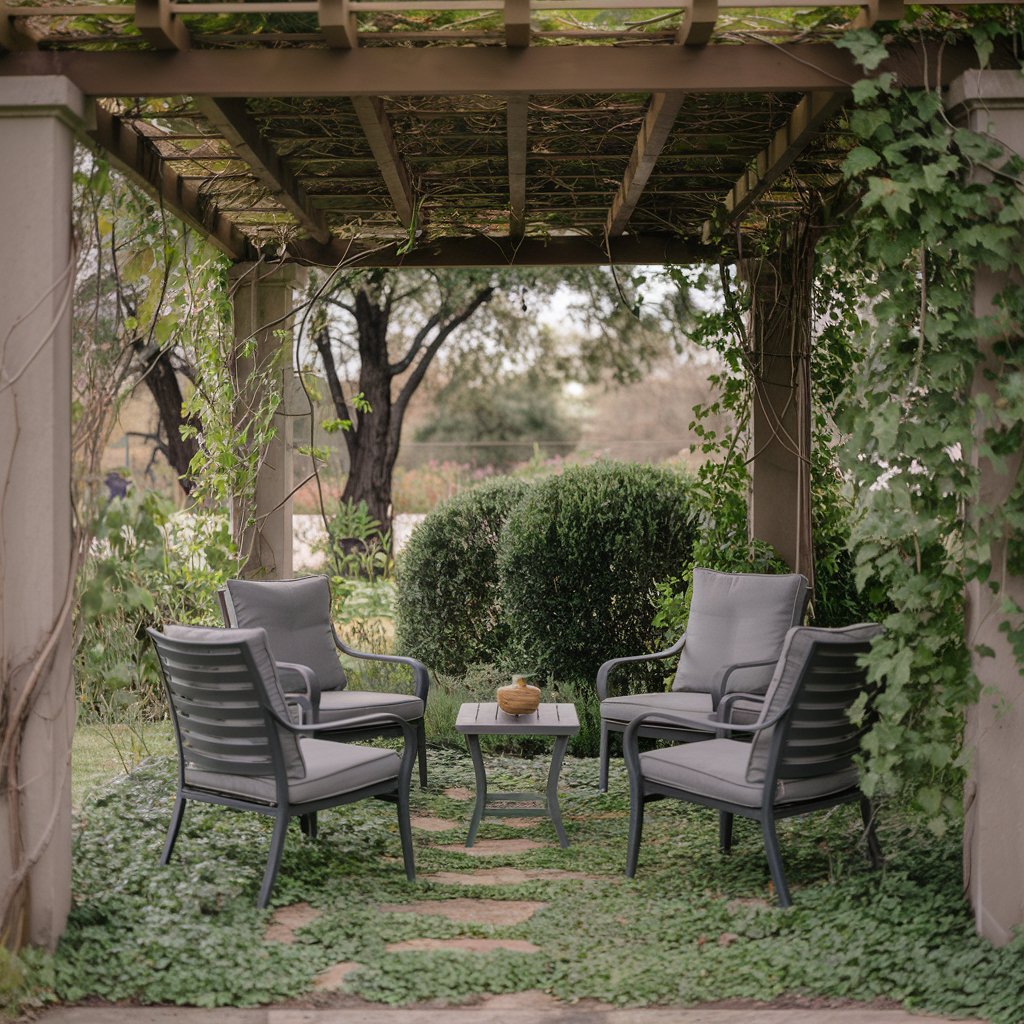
x: 37, y: 271
x: 263, y: 300
x: 779, y: 332
x: 992, y: 102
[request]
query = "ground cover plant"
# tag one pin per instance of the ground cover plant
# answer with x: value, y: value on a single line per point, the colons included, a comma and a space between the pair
x: 700, y: 926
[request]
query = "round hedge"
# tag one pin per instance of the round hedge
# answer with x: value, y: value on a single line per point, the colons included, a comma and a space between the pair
x: 448, y: 607
x: 578, y: 561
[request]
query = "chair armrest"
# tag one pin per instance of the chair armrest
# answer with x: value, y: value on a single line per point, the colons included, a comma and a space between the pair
x: 420, y: 675
x: 720, y: 684
x: 725, y: 708
x: 291, y: 672
x: 610, y: 666
x: 301, y: 701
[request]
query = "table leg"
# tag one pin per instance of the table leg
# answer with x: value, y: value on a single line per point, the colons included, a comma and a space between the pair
x: 555, y: 813
x: 473, y: 742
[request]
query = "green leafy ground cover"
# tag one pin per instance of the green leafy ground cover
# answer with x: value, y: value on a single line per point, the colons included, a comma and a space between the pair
x: 698, y: 926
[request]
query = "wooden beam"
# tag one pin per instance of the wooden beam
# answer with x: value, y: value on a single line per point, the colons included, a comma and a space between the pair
x: 698, y: 22
x: 577, y: 250
x: 652, y: 138
x: 377, y: 127
x: 133, y: 154
x: 231, y: 119
x: 489, y: 71
x: 159, y: 26
x: 517, y: 23
x: 879, y: 10
x: 808, y: 116
x: 14, y: 36
x: 338, y: 24
x: 516, y: 118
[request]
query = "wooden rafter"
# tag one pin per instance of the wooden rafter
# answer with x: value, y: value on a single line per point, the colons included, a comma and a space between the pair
x: 338, y: 24
x: 697, y: 23
x: 377, y: 127
x: 808, y: 116
x: 652, y: 138
x: 517, y: 23
x: 517, y: 116
x: 159, y: 26
x: 879, y: 10
x: 231, y: 119
x: 464, y: 70
x: 132, y: 153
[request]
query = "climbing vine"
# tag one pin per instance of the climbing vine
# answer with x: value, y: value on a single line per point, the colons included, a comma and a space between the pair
x: 937, y: 205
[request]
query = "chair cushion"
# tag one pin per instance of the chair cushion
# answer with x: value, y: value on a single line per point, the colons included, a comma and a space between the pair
x: 332, y: 769
x: 718, y: 769
x: 297, y: 617
x: 337, y: 705
x: 256, y: 642
x: 624, y: 709
x: 737, y: 617
x: 788, y: 672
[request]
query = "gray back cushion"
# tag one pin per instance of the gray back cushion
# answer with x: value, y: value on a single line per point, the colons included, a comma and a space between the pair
x: 297, y: 617
x: 795, y: 652
x: 737, y: 617
x: 256, y: 641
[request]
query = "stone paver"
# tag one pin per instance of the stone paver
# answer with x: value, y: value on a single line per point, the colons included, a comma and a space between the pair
x: 510, y: 876
x: 469, y: 911
x: 428, y: 824
x: 287, y: 920
x: 493, y: 847
x: 459, y: 793
x: 465, y: 944
x: 334, y: 977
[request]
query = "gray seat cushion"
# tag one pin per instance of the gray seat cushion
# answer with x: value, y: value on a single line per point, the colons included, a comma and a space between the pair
x: 332, y: 769
x: 624, y: 709
x: 737, y: 617
x: 718, y: 769
x: 297, y: 617
x: 337, y: 705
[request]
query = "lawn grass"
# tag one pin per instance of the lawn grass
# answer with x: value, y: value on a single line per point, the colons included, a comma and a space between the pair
x: 694, y: 926
x: 102, y: 751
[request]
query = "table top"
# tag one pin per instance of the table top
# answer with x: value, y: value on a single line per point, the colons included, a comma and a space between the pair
x: 547, y: 720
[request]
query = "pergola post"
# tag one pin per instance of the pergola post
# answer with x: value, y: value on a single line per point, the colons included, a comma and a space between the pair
x: 992, y: 102
x: 38, y: 118
x: 779, y: 333
x: 263, y: 299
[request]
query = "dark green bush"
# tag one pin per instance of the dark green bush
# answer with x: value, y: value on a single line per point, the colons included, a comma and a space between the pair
x: 579, y: 559
x: 448, y: 608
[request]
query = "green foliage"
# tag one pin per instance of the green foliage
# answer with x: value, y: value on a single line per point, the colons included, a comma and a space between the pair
x: 449, y: 605
x: 149, y: 565
x: 189, y: 933
x: 578, y: 563
x: 938, y: 205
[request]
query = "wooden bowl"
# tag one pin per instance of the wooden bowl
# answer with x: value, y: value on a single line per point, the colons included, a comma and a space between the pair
x: 520, y: 698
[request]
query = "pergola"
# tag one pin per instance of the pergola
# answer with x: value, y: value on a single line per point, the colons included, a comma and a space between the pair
x: 432, y: 133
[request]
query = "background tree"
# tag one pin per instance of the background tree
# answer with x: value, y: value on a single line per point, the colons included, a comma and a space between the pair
x: 377, y: 333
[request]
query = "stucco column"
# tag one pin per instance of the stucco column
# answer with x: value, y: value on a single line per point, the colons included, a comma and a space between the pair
x: 992, y: 102
x: 779, y: 331
x: 263, y: 299
x: 38, y: 117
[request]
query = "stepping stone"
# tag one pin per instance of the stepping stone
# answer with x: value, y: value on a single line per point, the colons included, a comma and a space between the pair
x: 460, y: 793
x: 490, y: 847
x: 428, y: 824
x: 515, y: 822
x: 469, y: 945
x: 334, y: 977
x: 508, y: 876
x: 465, y: 911
x: 287, y: 920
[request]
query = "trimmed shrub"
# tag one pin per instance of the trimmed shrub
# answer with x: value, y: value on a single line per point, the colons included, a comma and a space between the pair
x: 448, y: 608
x: 579, y: 560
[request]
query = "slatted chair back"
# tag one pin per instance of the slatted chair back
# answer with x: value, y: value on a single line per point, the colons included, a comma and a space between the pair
x: 819, y: 677
x: 221, y: 687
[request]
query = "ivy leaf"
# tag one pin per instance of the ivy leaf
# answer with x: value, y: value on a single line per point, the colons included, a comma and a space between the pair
x: 859, y: 160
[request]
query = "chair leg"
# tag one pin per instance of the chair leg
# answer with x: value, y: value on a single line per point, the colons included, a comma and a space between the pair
x: 771, y: 845
x: 725, y: 831
x: 405, y: 830
x: 172, y: 831
x: 867, y: 813
x: 307, y: 822
x: 636, y: 824
x: 602, y: 784
x: 421, y: 752
x: 274, y: 859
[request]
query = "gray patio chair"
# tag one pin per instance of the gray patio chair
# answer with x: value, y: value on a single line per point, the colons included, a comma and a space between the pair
x: 734, y: 634
x: 238, y: 745
x: 799, y: 758
x: 297, y: 617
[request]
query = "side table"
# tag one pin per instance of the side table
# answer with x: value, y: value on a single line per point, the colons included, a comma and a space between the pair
x: 558, y: 720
